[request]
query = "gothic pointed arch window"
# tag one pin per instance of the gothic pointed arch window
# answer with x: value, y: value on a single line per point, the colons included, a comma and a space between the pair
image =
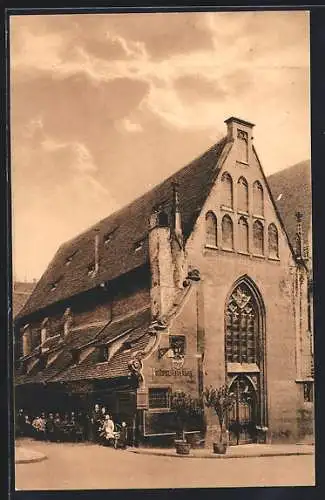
x: 227, y: 190
x: 243, y: 235
x: 258, y: 198
x: 243, y: 340
x: 258, y: 238
x: 211, y: 229
x: 242, y: 194
x: 273, y: 240
x: 227, y: 233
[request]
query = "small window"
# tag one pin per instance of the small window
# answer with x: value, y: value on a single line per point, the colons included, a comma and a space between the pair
x: 211, y: 229
x: 227, y: 233
x: 91, y: 269
x: 227, y: 191
x: 54, y: 286
x: 138, y: 245
x: 242, y: 146
x: 70, y: 258
x: 103, y: 353
x: 258, y: 237
x: 273, y: 241
x: 108, y: 236
x: 178, y: 344
x: 308, y: 392
x: 258, y: 199
x: 159, y: 398
x: 242, y: 195
x: 243, y: 235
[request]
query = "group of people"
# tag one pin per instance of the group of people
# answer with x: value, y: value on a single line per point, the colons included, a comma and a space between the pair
x: 105, y: 431
x: 97, y: 426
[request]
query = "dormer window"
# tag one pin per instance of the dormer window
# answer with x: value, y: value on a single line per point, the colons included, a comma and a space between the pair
x: 91, y: 269
x: 103, y: 354
x: 127, y: 345
x: 54, y: 286
x: 108, y: 237
x: 138, y: 245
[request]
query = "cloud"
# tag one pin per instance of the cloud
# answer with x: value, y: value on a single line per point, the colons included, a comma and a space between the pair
x: 130, y: 126
x: 105, y: 106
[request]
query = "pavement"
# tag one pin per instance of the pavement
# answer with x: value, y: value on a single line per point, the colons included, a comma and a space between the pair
x: 89, y: 466
x: 28, y: 455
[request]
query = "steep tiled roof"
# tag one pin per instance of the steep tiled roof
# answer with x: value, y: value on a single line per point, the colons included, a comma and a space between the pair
x: 137, y: 326
x: 77, y: 338
x: 291, y: 190
x: 20, y: 293
x: 62, y: 361
x: 126, y: 324
x: 122, y: 230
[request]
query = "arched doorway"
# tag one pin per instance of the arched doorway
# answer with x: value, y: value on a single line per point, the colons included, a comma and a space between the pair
x: 245, y: 361
x: 243, y: 416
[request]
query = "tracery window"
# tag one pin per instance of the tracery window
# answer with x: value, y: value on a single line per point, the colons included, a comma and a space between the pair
x: 242, y: 327
x: 273, y: 241
x: 242, y: 194
x: 211, y: 229
x: 258, y: 199
x: 227, y: 190
x: 258, y: 237
x: 227, y: 233
x: 243, y: 235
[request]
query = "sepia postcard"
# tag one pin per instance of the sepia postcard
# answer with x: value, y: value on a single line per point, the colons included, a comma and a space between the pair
x: 162, y: 250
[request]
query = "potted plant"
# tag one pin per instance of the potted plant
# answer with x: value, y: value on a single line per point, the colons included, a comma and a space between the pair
x: 261, y: 434
x: 184, y: 405
x: 221, y: 401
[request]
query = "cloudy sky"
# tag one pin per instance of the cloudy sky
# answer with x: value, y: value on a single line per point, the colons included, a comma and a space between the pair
x: 105, y: 106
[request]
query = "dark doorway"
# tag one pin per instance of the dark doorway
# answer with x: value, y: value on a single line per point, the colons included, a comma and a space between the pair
x: 242, y: 417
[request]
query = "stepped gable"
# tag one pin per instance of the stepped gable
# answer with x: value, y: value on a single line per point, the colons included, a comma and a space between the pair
x: 291, y: 190
x: 122, y: 230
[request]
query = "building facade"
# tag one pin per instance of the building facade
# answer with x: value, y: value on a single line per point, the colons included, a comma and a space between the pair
x: 196, y: 283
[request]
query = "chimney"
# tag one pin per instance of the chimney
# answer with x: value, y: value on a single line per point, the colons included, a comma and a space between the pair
x: 96, y: 269
x: 299, y: 237
x: 240, y: 132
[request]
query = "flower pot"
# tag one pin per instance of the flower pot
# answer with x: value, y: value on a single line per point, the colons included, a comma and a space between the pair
x: 182, y: 447
x: 219, y: 448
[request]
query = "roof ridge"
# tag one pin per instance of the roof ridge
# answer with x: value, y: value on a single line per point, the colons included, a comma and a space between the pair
x: 144, y: 194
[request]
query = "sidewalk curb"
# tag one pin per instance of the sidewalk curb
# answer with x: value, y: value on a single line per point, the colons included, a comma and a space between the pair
x: 212, y: 456
x: 36, y: 457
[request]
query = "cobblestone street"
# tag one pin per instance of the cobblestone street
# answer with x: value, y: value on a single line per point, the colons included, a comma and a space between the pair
x: 88, y: 466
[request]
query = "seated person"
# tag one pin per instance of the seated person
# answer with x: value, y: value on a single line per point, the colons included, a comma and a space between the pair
x: 107, y: 431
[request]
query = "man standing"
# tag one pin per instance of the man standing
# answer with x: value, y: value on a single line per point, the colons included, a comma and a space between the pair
x: 95, y: 422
